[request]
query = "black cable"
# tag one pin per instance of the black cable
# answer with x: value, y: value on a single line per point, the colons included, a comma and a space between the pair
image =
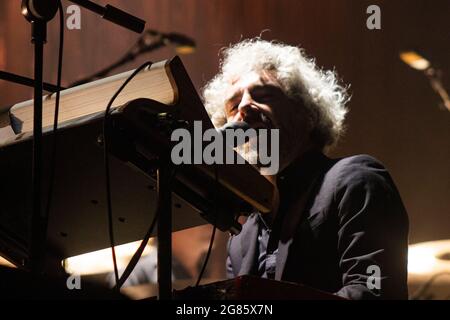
x: 106, y: 161
x: 55, y: 120
x: 137, y: 255
x: 211, y: 242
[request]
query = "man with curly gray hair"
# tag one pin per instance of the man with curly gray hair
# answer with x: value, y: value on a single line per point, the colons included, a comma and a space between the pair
x: 337, y: 225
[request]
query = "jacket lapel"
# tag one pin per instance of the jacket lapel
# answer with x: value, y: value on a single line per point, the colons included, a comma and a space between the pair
x: 249, y: 243
x: 283, y: 250
x: 290, y: 225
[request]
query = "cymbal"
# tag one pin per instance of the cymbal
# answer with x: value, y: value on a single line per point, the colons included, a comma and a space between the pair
x: 429, y: 258
x: 429, y: 270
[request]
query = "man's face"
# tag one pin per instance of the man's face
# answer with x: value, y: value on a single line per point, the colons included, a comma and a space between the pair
x: 259, y: 100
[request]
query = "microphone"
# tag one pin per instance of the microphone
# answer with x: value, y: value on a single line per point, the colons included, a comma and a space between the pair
x: 235, y: 126
x: 178, y: 39
x: 183, y: 44
x: 146, y: 43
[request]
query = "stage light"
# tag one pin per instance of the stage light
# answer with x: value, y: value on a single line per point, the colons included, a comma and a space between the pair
x: 414, y: 60
x: 417, y: 61
x: 100, y: 261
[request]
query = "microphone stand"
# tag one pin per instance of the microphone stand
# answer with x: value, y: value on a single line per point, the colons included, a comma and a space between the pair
x: 140, y: 47
x: 434, y: 76
x: 164, y: 231
x: 130, y: 56
x: 38, y: 13
x: 11, y: 77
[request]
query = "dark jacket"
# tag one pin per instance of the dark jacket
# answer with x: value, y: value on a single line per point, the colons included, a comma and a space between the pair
x: 339, y: 220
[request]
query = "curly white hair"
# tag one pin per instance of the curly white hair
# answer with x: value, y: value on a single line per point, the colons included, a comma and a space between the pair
x: 300, y: 78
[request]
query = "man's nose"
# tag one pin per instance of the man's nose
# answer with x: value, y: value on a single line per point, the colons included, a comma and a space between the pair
x: 246, y: 109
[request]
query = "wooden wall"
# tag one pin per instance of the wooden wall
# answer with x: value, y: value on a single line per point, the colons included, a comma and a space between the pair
x: 394, y: 114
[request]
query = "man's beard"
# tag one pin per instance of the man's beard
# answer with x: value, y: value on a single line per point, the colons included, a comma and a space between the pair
x: 259, y: 153
x: 288, y: 150
x: 249, y: 151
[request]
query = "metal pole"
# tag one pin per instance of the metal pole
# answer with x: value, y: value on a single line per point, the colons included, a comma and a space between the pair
x: 164, y: 232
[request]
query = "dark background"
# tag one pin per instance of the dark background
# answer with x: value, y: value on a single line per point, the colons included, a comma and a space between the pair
x: 394, y: 113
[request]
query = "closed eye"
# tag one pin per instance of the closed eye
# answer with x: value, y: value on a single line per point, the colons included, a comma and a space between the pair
x: 263, y: 98
x: 264, y: 94
x: 231, y: 107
